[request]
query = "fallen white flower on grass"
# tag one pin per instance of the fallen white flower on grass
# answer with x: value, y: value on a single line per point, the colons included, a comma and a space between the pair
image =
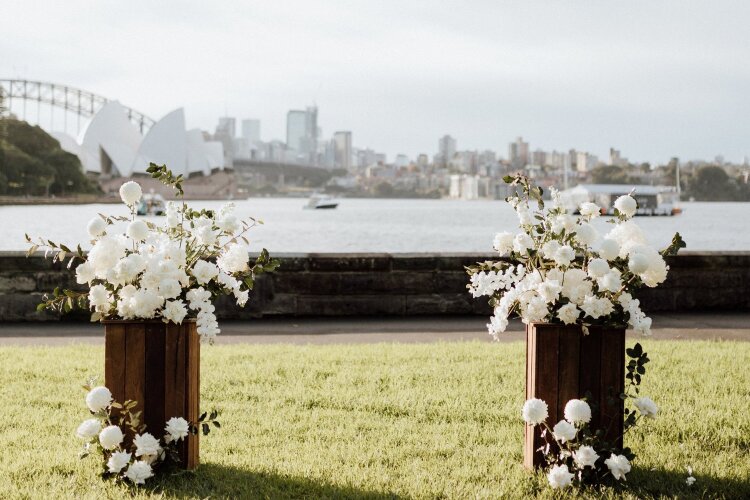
x: 146, y: 445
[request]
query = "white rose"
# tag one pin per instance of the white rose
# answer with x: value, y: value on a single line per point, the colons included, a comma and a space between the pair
x: 626, y: 205
x: 598, y: 268
x: 170, y: 288
x: 559, y: 476
x: 568, y: 314
x: 88, y: 429
x: 585, y: 456
x: 84, y: 273
x: 138, y: 472
x: 646, y: 406
x: 177, y: 428
x: 96, y: 227
x: 589, y: 209
x: 610, y: 282
x: 110, y: 437
x: 503, y: 243
x: 564, y: 431
x: 137, y: 230
x: 564, y: 255
x: 638, y: 263
x: 234, y: 259
x: 204, y: 271
x: 117, y: 461
x: 609, y: 249
x: 618, y: 465
x: 131, y: 193
x: 535, y: 411
x: 98, y: 399
x: 146, y: 445
x: 577, y: 412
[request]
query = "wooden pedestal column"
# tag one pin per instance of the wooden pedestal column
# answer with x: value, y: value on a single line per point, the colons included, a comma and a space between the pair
x: 563, y: 364
x: 158, y: 365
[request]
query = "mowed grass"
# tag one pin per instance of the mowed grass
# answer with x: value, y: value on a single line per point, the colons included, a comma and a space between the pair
x: 377, y: 421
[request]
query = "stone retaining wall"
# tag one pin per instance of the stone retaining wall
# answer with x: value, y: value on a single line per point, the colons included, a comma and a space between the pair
x: 388, y: 284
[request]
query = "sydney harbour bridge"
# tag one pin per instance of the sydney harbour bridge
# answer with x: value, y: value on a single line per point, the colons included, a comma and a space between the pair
x: 50, y: 104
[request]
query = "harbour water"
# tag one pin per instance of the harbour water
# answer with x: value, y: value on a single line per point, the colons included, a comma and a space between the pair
x: 383, y: 225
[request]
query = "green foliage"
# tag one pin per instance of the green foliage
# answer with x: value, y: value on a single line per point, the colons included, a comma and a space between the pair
x: 712, y: 183
x: 166, y: 177
x: 32, y: 163
x: 527, y: 187
x: 610, y: 174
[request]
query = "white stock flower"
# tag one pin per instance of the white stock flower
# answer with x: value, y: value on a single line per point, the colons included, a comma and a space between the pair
x: 522, y: 242
x: 646, y: 406
x: 146, y: 445
x: 96, y: 227
x: 577, y: 412
x: 137, y: 230
x: 503, y: 243
x: 138, y: 472
x: 586, y: 234
x: 535, y: 411
x: 204, y: 271
x: 564, y: 255
x: 117, y: 461
x: 131, y: 193
x: 618, y: 465
x: 84, y: 273
x: 609, y: 249
x: 174, y: 311
x: 568, y: 314
x: 638, y: 263
x: 559, y: 477
x: 88, y: 429
x: 98, y: 398
x: 626, y: 205
x: 598, y: 268
x: 564, y: 431
x: 110, y: 437
x: 589, y: 209
x: 234, y: 259
x: 177, y: 428
x: 585, y: 456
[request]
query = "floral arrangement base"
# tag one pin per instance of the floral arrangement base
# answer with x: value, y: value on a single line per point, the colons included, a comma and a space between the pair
x: 564, y: 363
x: 157, y: 365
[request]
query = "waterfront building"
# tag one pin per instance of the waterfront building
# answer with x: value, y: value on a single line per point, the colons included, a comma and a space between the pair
x: 342, y: 142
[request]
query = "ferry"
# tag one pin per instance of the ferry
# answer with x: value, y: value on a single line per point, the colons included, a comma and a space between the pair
x: 152, y: 204
x: 652, y: 200
x: 321, y: 202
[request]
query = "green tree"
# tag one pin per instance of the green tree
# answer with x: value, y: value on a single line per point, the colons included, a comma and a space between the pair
x: 711, y: 183
x: 609, y: 175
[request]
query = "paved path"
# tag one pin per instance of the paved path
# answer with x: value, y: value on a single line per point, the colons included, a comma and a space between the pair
x: 729, y: 326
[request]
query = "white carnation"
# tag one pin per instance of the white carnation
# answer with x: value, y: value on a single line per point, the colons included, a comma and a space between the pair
x: 589, y: 209
x: 131, y: 193
x: 145, y: 302
x: 585, y: 456
x: 559, y: 477
x: 96, y: 227
x: 228, y: 223
x: 598, y: 268
x: 138, y: 472
x: 146, y: 445
x: 177, y: 428
x: 503, y: 243
x: 568, y: 314
x: 234, y: 259
x: 577, y: 412
x: 98, y: 398
x: 117, y: 461
x: 536, y: 310
x: 110, y: 437
x: 88, y: 429
x: 628, y: 235
x: 564, y: 431
x: 596, y: 307
x: 535, y: 411
x: 618, y: 465
x: 626, y: 205
x: 105, y: 253
x: 646, y: 406
x: 137, y: 230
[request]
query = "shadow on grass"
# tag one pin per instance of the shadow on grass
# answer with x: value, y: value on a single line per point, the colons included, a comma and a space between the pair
x: 657, y: 483
x: 223, y: 481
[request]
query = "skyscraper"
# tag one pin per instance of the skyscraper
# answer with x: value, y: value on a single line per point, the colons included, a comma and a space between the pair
x: 446, y: 149
x: 251, y: 130
x: 302, y: 133
x: 518, y: 153
x: 342, y: 144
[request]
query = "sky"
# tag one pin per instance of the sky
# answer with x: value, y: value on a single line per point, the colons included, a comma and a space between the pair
x: 654, y: 79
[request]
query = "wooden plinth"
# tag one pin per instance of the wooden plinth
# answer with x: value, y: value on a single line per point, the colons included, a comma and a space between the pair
x: 158, y: 365
x: 563, y: 364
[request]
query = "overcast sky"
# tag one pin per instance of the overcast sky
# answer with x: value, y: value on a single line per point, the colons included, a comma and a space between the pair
x: 652, y: 78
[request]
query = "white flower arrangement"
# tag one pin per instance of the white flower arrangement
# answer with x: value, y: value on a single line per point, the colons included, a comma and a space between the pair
x: 171, y: 271
x: 560, y: 269
x: 576, y: 453
x: 137, y: 459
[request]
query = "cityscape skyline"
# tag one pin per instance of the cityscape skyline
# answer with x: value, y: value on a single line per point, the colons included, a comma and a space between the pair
x: 656, y: 79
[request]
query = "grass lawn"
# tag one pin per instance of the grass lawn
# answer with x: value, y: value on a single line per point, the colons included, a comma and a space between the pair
x: 376, y: 421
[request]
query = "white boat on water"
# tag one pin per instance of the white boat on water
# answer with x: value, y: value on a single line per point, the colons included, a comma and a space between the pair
x: 652, y: 200
x: 152, y: 204
x: 321, y: 202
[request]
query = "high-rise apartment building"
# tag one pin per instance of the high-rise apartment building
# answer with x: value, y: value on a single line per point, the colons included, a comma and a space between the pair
x: 302, y: 133
x: 446, y: 149
x: 342, y: 147
x: 518, y: 153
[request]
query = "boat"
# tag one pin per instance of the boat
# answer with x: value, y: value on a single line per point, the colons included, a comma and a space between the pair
x: 652, y: 200
x: 151, y: 204
x: 321, y: 202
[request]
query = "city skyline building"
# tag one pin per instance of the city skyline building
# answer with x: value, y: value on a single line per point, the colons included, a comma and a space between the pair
x: 446, y: 149
x: 342, y: 143
x: 251, y: 130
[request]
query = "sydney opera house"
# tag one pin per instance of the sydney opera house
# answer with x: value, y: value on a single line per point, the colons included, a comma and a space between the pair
x: 111, y: 145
